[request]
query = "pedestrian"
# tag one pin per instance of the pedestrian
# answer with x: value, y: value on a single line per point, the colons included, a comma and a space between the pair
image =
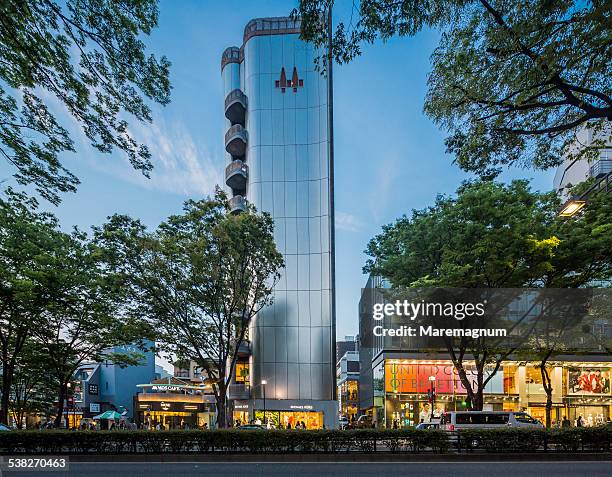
x: 289, y: 425
x: 580, y: 422
x: 303, y: 425
x: 566, y: 422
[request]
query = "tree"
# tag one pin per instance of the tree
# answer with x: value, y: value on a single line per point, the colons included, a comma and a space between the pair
x: 87, y: 55
x: 82, y: 318
x: 199, y: 279
x: 491, y: 236
x: 511, y: 80
x: 26, y: 239
x: 34, y: 388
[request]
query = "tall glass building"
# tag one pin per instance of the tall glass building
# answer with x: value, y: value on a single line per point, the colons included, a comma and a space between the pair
x: 278, y: 149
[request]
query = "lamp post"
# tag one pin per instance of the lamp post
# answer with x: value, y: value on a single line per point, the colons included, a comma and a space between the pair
x: 263, y: 388
x: 432, y: 395
x: 68, y: 386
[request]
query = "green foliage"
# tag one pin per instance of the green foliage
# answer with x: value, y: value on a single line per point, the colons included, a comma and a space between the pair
x: 198, y: 279
x: 490, y: 236
x: 89, y: 57
x: 56, y: 296
x: 511, y: 81
x: 299, y: 442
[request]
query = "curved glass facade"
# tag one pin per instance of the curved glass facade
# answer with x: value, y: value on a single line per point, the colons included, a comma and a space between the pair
x: 287, y: 156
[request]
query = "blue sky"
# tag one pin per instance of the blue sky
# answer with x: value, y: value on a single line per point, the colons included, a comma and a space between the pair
x: 389, y: 157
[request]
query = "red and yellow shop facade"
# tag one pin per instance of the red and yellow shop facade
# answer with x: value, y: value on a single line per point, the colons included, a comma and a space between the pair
x: 403, y: 390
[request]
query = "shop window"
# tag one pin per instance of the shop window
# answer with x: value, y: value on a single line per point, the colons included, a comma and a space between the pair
x: 242, y: 373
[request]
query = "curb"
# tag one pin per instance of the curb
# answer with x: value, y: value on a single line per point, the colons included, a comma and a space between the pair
x: 338, y: 458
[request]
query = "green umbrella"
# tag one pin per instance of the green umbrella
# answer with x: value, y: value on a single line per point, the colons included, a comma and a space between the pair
x: 109, y: 415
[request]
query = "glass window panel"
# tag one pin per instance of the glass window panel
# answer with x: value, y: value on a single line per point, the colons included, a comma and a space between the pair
x: 302, y: 235
x: 293, y: 374
x: 292, y: 304
x: 304, y: 349
x: 316, y: 344
x: 290, y: 163
x: 289, y: 126
x: 253, y: 163
x: 315, y: 308
x: 302, y: 198
x: 290, y: 199
x: 315, y: 234
x: 315, y: 271
x: 313, y: 125
x: 265, y: 161
x: 269, y: 348
x: 323, y: 123
x: 278, y: 153
x: 263, y: 45
x: 314, y: 168
x: 304, y: 307
x: 291, y: 243
x: 301, y: 126
x: 314, y: 198
x: 303, y: 274
x: 292, y: 345
x: 291, y: 272
x: 266, y: 90
x: 305, y: 382
x: 325, y: 233
x: 277, y: 127
x: 323, y: 162
x: 276, y: 52
x: 267, y: 203
x: 302, y: 162
x: 265, y: 132
x: 280, y: 312
x: 325, y: 264
x: 281, y: 368
x: 324, y: 197
x: 279, y: 231
x: 279, y: 199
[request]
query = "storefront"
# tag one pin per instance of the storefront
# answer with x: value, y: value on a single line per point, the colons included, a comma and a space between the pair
x: 285, y: 414
x: 348, y: 399
x: 419, y: 391
x: 291, y: 419
x: 174, y: 405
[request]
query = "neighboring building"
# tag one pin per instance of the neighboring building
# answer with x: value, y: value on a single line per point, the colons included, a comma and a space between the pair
x: 175, y: 403
x: 105, y: 386
x: 572, y: 171
x: 350, y: 343
x: 395, y: 382
x: 347, y: 378
x: 278, y: 155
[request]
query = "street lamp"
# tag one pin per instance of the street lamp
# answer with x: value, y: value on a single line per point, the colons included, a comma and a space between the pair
x: 572, y: 207
x: 432, y: 395
x: 263, y: 388
x: 68, y: 386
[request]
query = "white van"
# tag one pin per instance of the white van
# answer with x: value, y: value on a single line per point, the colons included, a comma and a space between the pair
x: 455, y: 420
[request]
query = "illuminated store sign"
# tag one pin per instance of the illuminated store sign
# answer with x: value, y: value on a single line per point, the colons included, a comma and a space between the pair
x: 301, y: 407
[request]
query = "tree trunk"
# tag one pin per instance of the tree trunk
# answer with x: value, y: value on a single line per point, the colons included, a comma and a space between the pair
x: 221, y: 409
x: 7, y: 383
x: 547, y: 384
x: 60, y: 405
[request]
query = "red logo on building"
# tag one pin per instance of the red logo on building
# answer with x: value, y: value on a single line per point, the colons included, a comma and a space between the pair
x: 283, y: 83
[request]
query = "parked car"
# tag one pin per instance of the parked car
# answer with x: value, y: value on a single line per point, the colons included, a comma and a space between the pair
x: 343, y: 422
x: 455, y: 420
x: 363, y: 422
x: 4, y: 428
x: 251, y: 427
x: 428, y: 425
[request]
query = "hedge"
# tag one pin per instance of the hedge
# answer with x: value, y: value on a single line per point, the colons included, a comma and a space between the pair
x: 298, y: 441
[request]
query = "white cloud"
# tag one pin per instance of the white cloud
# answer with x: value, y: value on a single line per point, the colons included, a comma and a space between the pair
x: 180, y: 164
x: 347, y: 222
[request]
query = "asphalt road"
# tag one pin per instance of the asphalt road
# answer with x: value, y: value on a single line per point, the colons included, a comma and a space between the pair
x: 439, y: 469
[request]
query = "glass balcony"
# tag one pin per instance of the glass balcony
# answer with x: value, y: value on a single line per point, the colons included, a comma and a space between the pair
x: 236, y: 139
x: 239, y: 391
x: 233, y: 54
x: 236, y: 175
x: 601, y: 167
x: 235, y: 106
x: 237, y: 204
x: 244, y: 350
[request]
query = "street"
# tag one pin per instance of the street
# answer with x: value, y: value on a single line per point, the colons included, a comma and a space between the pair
x: 491, y: 469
